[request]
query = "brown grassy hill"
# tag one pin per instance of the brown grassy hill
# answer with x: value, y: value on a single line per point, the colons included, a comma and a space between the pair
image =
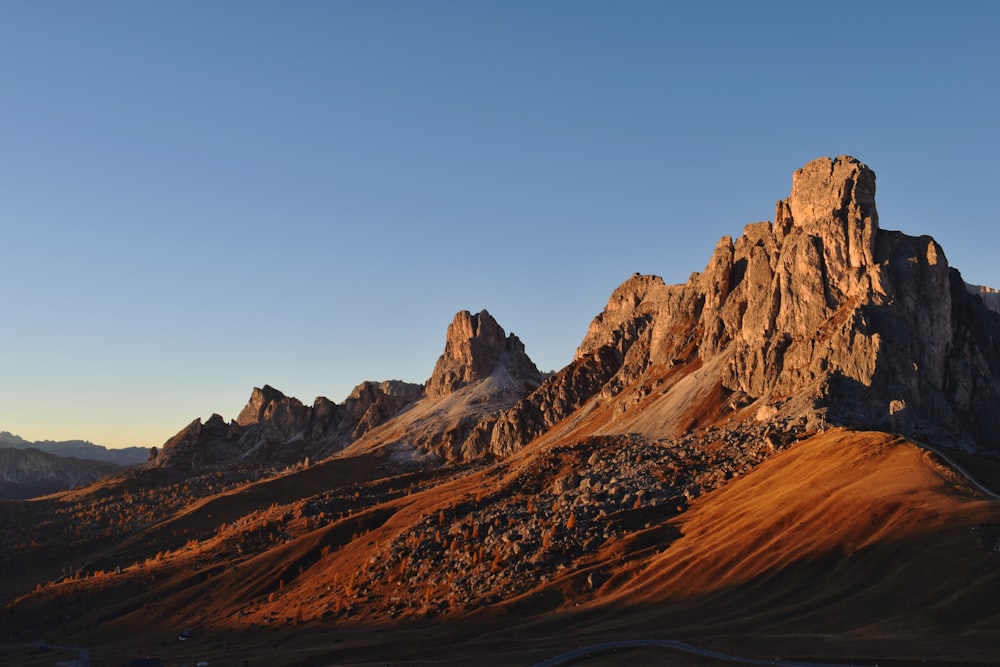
x: 845, y: 545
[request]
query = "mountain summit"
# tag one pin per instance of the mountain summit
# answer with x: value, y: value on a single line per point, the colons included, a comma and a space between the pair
x: 710, y: 463
x: 816, y: 319
x: 475, y: 348
x: 819, y: 318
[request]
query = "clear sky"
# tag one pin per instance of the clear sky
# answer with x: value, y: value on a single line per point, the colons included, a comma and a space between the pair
x: 201, y: 197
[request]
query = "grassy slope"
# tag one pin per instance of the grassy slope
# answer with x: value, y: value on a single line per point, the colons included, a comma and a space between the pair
x: 846, y: 545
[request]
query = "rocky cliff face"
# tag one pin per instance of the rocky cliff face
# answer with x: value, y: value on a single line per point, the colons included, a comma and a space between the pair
x: 989, y: 296
x: 275, y: 429
x: 818, y: 318
x: 475, y: 348
x: 482, y: 371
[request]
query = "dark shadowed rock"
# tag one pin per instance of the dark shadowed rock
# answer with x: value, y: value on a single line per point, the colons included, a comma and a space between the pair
x: 989, y: 296
x: 29, y: 472
x: 373, y: 403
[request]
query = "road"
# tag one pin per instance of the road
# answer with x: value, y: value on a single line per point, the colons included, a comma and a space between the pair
x: 608, y: 647
x: 955, y: 465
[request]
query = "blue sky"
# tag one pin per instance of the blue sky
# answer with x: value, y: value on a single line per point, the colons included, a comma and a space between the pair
x: 201, y: 197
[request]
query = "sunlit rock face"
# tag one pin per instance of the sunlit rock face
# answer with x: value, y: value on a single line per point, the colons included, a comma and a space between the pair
x: 820, y: 317
x: 276, y: 429
x: 475, y: 348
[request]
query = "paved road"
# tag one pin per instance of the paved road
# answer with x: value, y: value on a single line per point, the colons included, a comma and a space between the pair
x: 956, y: 466
x: 608, y: 647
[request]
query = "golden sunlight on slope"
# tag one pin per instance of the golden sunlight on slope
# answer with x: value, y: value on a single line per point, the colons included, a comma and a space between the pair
x: 835, y: 493
x: 859, y: 535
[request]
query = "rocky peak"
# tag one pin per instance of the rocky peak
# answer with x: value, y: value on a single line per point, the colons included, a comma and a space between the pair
x: 830, y: 193
x: 819, y: 317
x: 833, y: 204
x: 262, y: 403
x: 475, y: 347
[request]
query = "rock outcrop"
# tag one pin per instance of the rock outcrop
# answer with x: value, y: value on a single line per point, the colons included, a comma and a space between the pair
x: 989, y: 296
x: 274, y: 429
x: 482, y: 371
x: 475, y: 348
x: 818, y: 318
x: 373, y: 403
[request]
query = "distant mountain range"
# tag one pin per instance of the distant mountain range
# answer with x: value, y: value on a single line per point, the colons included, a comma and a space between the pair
x: 30, y: 469
x: 27, y: 473
x: 80, y: 449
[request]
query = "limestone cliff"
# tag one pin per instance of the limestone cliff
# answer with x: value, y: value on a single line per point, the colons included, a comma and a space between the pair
x: 989, y: 296
x: 482, y: 371
x: 818, y: 318
x: 274, y: 429
x: 475, y: 348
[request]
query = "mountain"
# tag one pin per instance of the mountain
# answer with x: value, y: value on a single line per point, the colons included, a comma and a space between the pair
x: 29, y: 469
x: 29, y: 472
x: 790, y: 454
x: 819, y: 318
x: 481, y: 371
x: 80, y: 449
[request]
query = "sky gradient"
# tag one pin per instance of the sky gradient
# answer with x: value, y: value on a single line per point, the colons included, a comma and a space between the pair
x: 197, y: 198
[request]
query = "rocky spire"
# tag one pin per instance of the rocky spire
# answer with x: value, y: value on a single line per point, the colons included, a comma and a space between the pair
x: 475, y: 347
x: 262, y: 404
x: 834, y: 200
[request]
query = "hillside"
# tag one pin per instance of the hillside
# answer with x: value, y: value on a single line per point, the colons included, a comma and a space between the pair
x: 746, y: 462
x: 26, y: 473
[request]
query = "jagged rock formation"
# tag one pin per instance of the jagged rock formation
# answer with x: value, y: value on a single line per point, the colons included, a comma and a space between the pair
x: 482, y: 371
x: 818, y: 318
x: 476, y: 347
x: 276, y: 429
x: 79, y: 449
x: 990, y: 296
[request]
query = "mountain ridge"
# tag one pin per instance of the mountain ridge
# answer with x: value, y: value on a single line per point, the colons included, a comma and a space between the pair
x: 80, y: 449
x: 816, y: 319
x: 732, y: 458
x: 30, y: 472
